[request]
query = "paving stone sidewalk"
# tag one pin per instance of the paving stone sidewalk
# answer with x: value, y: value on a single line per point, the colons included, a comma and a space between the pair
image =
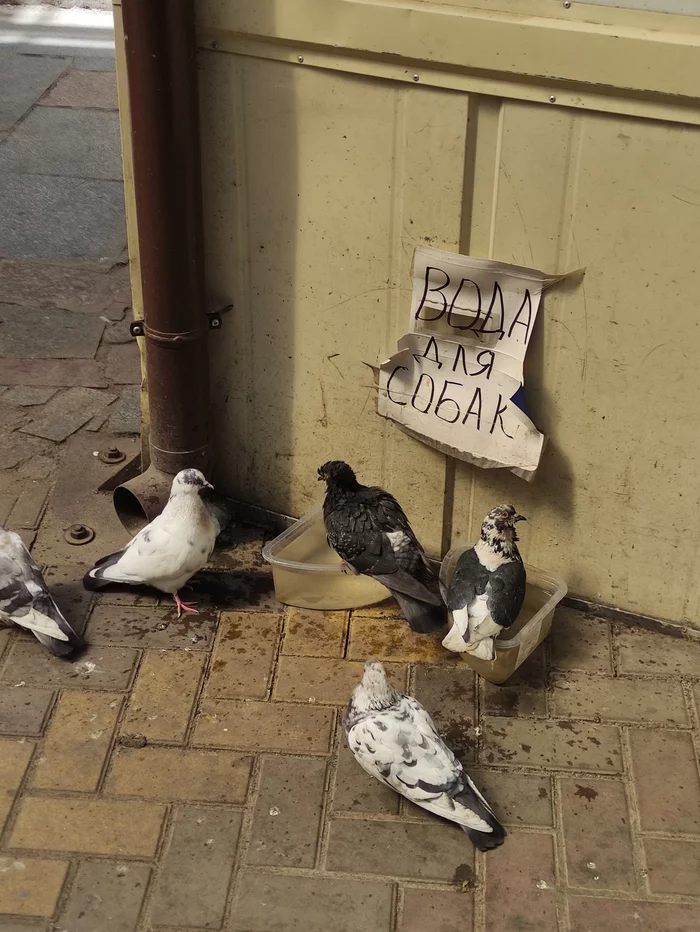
x: 67, y: 360
x: 190, y: 774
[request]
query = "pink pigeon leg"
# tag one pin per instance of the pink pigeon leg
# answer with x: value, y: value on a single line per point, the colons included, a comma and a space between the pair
x: 184, y: 606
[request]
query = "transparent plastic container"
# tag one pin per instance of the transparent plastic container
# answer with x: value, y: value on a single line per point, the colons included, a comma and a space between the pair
x: 307, y: 573
x: 531, y: 627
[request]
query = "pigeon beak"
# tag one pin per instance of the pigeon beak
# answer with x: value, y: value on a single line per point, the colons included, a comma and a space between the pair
x: 519, y: 518
x: 208, y: 485
x: 321, y: 478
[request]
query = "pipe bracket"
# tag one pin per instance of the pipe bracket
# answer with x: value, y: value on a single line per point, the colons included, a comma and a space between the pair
x: 215, y: 317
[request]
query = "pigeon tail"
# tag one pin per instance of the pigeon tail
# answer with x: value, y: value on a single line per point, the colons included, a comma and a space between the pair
x: 454, y: 641
x: 407, y: 585
x: 95, y: 577
x: 457, y: 637
x: 50, y: 628
x: 60, y: 648
x: 472, y: 799
x: 422, y: 617
x: 92, y: 582
x: 484, y: 649
x: 486, y: 841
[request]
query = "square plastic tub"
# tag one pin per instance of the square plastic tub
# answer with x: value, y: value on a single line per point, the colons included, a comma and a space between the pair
x: 531, y: 627
x: 307, y: 573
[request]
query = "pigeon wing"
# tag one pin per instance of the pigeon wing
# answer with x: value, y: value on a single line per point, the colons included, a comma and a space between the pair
x: 390, y: 516
x: 146, y: 554
x: 393, y: 555
x: 505, y: 592
x: 352, y: 533
x: 401, y: 748
x: 388, y: 559
x: 469, y: 580
x: 150, y: 556
x: 355, y: 533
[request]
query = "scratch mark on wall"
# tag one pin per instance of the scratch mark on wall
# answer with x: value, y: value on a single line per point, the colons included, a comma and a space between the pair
x: 323, y: 420
x: 692, y: 203
x: 335, y: 366
x: 352, y: 297
x: 653, y: 351
x: 517, y: 205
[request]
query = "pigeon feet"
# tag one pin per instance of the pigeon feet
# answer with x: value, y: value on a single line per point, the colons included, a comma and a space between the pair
x: 184, y: 606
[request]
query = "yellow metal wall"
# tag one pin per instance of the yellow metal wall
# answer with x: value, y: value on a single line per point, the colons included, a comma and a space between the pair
x: 321, y: 175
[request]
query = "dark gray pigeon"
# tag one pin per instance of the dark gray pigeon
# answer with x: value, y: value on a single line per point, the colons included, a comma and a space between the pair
x: 169, y: 550
x: 367, y: 527
x: 488, y: 587
x: 25, y: 599
x: 394, y: 739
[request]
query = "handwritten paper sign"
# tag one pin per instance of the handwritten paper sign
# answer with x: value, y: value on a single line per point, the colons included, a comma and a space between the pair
x: 456, y: 380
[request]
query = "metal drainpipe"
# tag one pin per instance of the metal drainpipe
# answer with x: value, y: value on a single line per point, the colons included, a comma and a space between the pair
x: 159, y: 37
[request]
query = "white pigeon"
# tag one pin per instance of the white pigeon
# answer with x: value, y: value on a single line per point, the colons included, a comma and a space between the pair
x: 394, y: 739
x: 488, y: 587
x: 169, y: 550
x: 25, y: 599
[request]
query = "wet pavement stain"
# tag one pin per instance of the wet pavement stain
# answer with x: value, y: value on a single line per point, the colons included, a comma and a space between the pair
x: 464, y: 877
x: 234, y: 590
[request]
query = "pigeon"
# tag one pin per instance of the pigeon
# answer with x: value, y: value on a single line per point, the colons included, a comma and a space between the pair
x: 367, y: 527
x: 488, y: 587
x: 394, y: 739
x: 25, y: 599
x: 169, y: 550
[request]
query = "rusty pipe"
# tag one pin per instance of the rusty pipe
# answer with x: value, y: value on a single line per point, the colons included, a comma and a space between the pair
x: 160, y: 46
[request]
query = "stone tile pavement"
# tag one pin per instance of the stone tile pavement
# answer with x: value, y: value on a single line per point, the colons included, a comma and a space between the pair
x: 67, y: 360
x: 190, y: 774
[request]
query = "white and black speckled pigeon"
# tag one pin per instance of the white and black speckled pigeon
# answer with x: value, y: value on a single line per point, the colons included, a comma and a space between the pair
x: 394, y: 739
x: 25, y: 599
x: 169, y: 550
x: 367, y: 527
x: 488, y: 587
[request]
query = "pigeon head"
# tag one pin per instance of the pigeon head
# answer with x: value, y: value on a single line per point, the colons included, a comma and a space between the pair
x: 189, y: 481
x: 374, y: 692
x: 338, y: 473
x: 500, y: 523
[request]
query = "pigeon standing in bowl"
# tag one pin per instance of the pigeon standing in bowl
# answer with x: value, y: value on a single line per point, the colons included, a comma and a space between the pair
x: 367, y: 527
x: 487, y: 589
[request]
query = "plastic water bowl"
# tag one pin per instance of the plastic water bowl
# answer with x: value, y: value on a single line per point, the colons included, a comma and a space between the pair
x: 531, y: 627
x: 307, y: 573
